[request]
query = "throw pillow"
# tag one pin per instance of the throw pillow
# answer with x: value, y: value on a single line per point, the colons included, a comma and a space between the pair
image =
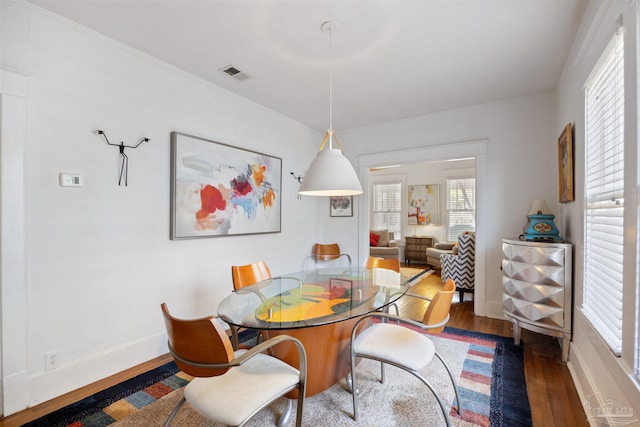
x: 454, y: 250
x: 384, y: 237
x: 373, y: 239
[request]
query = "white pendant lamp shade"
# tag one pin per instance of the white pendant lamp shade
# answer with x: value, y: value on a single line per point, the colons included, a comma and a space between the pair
x: 330, y: 174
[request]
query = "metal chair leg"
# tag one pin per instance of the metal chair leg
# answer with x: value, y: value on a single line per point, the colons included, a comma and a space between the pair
x: 174, y: 412
x: 453, y: 381
x: 286, y: 415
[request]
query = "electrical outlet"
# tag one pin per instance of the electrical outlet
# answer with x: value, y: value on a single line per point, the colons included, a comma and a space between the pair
x: 51, y: 360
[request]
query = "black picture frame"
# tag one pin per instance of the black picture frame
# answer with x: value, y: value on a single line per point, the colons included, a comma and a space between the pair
x: 341, y: 206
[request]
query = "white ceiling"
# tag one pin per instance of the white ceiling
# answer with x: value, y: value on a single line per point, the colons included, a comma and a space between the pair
x: 391, y: 59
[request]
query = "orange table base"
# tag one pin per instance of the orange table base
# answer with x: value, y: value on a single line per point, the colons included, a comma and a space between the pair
x: 327, y: 347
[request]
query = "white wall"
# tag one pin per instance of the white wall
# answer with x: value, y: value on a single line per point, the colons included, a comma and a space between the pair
x: 593, y: 366
x: 520, y: 166
x: 97, y: 261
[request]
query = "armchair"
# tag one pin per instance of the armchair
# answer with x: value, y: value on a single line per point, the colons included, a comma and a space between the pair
x: 439, y: 248
x: 460, y: 266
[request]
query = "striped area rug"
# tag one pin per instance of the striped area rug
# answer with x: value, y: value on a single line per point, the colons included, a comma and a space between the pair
x: 492, y: 382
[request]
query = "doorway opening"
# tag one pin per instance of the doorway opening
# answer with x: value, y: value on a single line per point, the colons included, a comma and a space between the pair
x: 475, y: 151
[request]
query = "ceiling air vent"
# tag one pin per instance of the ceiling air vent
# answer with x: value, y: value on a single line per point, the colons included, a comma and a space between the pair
x: 234, y: 72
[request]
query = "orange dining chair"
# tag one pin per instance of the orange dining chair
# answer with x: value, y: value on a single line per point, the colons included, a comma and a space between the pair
x: 245, y: 275
x: 404, y: 347
x: 229, y: 387
x: 388, y: 263
x: 328, y: 252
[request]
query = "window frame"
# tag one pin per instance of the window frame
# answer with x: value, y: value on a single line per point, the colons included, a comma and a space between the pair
x: 603, y: 267
x: 386, y: 180
x: 447, y: 210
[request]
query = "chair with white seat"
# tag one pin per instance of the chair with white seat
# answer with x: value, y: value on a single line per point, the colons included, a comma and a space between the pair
x: 231, y: 387
x: 401, y: 346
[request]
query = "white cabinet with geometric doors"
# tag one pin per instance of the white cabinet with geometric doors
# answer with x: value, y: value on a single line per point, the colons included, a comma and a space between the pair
x: 537, y: 288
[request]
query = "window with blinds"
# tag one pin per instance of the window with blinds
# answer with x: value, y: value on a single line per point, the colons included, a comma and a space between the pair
x: 604, y: 187
x: 386, y: 207
x: 461, y: 206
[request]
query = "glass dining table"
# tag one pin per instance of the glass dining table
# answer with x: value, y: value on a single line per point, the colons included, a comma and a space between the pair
x: 320, y: 308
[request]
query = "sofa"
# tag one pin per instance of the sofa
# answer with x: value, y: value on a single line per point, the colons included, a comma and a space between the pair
x: 433, y: 254
x: 383, y: 245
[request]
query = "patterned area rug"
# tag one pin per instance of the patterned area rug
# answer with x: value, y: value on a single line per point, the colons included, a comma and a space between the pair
x: 489, y: 368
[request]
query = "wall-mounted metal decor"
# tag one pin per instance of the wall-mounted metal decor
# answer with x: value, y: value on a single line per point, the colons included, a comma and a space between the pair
x: 221, y: 190
x: 124, y: 165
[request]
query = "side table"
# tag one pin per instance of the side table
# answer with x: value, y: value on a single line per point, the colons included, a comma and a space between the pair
x: 416, y: 248
x: 537, y: 288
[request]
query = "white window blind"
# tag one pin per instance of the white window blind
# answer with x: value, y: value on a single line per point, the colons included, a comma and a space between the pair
x: 461, y: 206
x: 386, y: 207
x: 604, y: 187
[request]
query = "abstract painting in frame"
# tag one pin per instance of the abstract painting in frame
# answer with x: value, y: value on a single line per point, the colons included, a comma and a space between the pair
x: 222, y: 190
x: 565, y: 165
x: 424, y: 204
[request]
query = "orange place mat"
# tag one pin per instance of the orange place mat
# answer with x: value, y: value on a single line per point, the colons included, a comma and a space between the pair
x: 310, y: 302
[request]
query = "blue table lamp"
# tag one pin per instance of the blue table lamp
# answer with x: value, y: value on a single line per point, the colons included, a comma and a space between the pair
x: 540, y: 226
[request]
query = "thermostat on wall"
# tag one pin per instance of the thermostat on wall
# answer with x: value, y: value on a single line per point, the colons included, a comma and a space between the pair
x: 70, y: 180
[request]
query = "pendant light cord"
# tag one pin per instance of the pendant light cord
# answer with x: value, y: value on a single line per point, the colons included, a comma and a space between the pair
x: 330, y: 88
x: 329, y: 26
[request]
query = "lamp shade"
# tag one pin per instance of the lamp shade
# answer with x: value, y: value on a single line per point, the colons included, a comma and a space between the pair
x: 330, y: 174
x: 540, y: 207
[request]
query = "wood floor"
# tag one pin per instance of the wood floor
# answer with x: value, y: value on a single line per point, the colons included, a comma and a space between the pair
x: 552, y: 395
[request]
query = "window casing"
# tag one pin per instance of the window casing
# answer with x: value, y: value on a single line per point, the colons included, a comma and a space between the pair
x: 386, y: 207
x: 604, y: 195
x: 461, y: 206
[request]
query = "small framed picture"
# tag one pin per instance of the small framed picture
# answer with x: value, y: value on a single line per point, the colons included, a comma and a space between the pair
x: 565, y: 165
x: 341, y: 205
x: 340, y: 288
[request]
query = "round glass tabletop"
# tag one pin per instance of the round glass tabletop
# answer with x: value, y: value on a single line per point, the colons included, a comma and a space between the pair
x: 312, y: 298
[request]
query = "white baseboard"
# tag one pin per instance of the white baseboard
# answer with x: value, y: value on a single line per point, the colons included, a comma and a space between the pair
x: 16, y: 393
x: 494, y: 310
x: 23, y: 392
